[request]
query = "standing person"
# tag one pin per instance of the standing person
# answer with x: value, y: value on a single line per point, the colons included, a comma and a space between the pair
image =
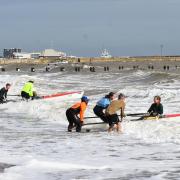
x: 75, y: 114
x: 156, y: 108
x: 102, y: 104
x: 111, y: 112
x: 3, y: 93
x: 28, y: 91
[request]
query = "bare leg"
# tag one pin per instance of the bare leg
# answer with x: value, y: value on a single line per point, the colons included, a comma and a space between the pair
x: 119, y: 127
x: 111, y: 128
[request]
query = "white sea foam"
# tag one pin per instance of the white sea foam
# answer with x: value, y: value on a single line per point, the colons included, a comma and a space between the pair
x: 33, y: 135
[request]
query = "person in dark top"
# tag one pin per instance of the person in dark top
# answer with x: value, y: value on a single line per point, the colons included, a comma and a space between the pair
x: 156, y: 108
x: 3, y: 93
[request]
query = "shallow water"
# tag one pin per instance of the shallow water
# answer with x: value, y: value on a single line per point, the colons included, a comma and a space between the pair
x: 33, y: 135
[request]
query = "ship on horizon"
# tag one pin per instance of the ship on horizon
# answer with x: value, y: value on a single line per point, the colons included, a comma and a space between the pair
x: 105, y: 54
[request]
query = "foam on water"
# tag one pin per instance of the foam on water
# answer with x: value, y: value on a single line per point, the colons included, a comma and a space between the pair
x: 33, y: 135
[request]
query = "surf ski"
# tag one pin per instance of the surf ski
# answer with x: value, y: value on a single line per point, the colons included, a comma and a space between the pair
x: 75, y: 94
x: 146, y: 118
x: 59, y: 96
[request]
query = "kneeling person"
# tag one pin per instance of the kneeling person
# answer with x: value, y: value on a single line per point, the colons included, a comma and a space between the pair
x: 111, y: 113
x: 156, y: 108
x: 3, y: 93
x: 73, y: 112
x: 28, y: 91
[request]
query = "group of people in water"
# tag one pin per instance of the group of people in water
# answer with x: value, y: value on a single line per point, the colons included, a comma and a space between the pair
x: 106, y: 108
x: 28, y: 92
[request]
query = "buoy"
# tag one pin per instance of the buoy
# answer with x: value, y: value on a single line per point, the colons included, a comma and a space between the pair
x: 17, y: 69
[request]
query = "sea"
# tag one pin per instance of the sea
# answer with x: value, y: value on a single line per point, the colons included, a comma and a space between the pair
x: 34, y: 137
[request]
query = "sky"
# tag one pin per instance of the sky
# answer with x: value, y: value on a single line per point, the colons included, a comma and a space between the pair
x: 86, y: 27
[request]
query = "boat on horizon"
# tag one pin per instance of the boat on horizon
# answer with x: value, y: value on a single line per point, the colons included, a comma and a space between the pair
x: 105, y: 54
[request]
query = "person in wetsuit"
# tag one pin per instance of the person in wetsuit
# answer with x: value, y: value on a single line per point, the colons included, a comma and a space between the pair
x: 75, y: 114
x: 3, y: 93
x: 101, y: 105
x: 156, y: 108
x: 111, y: 113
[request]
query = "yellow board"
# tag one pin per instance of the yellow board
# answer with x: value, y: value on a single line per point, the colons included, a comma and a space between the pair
x: 151, y: 118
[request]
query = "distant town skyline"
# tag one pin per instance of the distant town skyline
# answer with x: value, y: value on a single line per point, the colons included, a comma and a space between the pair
x: 86, y: 27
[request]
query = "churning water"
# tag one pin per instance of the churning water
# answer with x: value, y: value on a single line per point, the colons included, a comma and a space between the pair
x: 33, y: 135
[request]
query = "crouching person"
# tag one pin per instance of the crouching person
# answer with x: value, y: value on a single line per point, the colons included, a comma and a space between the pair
x: 3, y: 93
x: 75, y: 114
x: 111, y: 113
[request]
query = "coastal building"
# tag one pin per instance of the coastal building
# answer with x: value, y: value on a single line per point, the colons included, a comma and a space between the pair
x: 35, y: 55
x: 22, y: 55
x: 9, y: 53
x: 51, y: 53
x: 47, y: 53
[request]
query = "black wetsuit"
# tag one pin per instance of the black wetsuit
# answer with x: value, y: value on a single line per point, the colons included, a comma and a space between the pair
x: 73, y: 118
x: 156, y: 109
x: 101, y: 105
x: 3, y: 95
x: 99, y: 111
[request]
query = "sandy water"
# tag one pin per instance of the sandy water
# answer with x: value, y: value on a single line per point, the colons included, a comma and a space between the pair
x: 33, y: 135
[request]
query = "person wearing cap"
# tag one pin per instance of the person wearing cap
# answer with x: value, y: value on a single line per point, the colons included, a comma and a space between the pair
x: 28, y: 91
x: 3, y: 93
x: 111, y: 113
x: 75, y: 114
x: 156, y: 108
x: 102, y: 104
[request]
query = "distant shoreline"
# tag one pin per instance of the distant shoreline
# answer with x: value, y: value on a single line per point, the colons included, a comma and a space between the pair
x: 90, y: 60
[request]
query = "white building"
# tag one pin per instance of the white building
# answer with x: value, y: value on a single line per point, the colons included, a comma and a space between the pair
x: 22, y: 55
x: 35, y: 55
x: 47, y: 53
x: 51, y: 53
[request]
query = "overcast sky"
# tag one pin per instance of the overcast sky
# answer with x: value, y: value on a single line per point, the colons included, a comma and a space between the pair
x: 85, y: 27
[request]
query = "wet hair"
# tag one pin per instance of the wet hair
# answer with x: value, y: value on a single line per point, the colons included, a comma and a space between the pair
x: 157, y: 97
x: 31, y: 81
x: 121, y: 95
x: 8, y: 84
x: 110, y: 95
